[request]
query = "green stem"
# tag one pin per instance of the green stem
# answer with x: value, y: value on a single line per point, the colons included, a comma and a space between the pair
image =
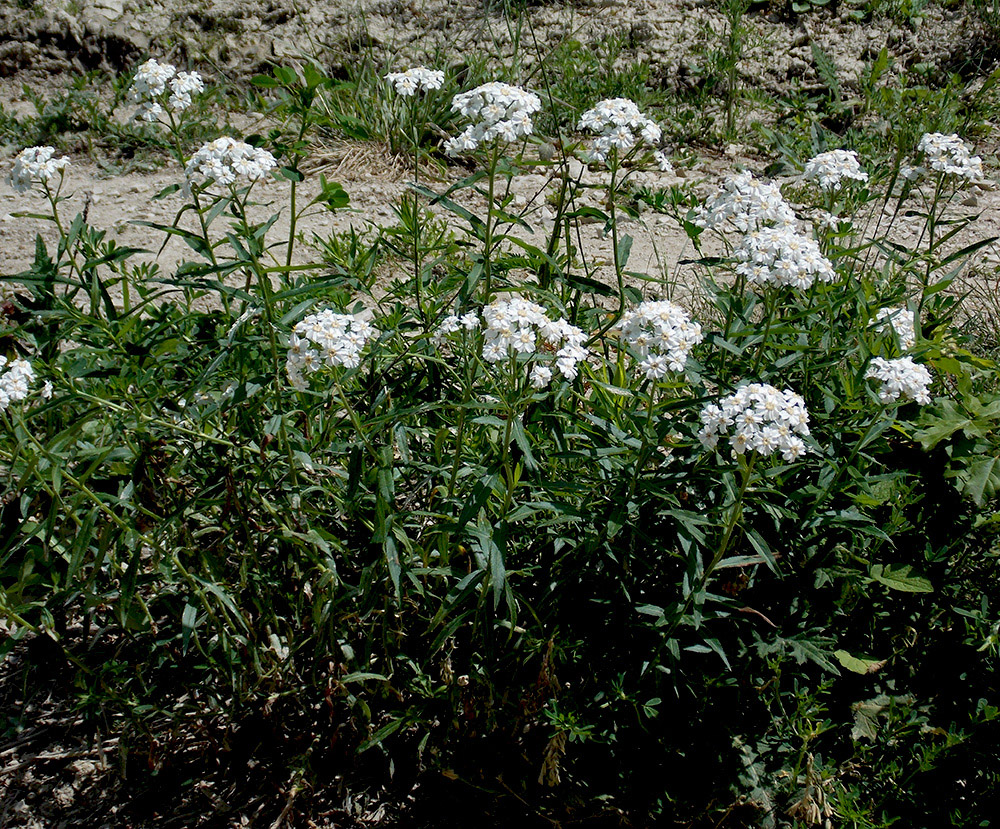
x: 488, y: 230
x: 736, y: 512
x: 771, y: 305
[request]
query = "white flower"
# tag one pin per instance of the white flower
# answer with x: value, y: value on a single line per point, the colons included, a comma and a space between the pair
x: 949, y: 154
x: 663, y: 162
x: 540, y: 377
x: 746, y: 204
x: 498, y: 111
x: 225, y: 160
x: 35, y: 164
x: 782, y: 257
x: 14, y: 381
x: 181, y: 89
x: 325, y: 338
x: 157, y: 83
x: 901, y: 322
x: 524, y: 326
x: 662, y: 334
x: 621, y: 126
x: 418, y: 78
x: 757, y: 418
x: 830, y: 169
x: 902, y: 380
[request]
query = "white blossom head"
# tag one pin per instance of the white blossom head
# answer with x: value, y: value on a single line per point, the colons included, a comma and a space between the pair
x: 620, y: 127
x: 901, y: 380
x: 452, y: 324
x: 35, y: 164
x: 745, y: 204
x: 15, y: 381
x: 522, y: 328
x: 901, y: 322
x: 781, y: 257
x: 831, y: 169
x: 225, y: 161
x: 156, y: 84
x: 325, y: 339
x: 498, y: 111
x: 661, y: 334
x: 418, y: 78
x: 757, y: 418
x: 950, y: 155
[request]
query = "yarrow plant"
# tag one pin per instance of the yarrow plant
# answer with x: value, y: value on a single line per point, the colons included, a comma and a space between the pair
x: 782, y: 257
x: 950, y: 155
x: 325, y: 339
x: 831, y: 169
x: 758, y: 418
x: 902, y: 380
x: 621, y: 126
x: 745, y: 203
x: 498, y: 111
x: 662, y: 335
x: 15, y: 381
x: 150, y: 84
x: 35, y: 164
x: 515, y: 327
x: 226, y: 160
x: 453, y: 323
x: 901, y: 322
x: 418, y: 78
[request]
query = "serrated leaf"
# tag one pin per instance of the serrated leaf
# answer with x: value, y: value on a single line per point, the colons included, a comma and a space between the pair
x: 901, y: 577
x: 805, y: 649
x: 978, y: 478
x: 866, y: 716
x: 827, y: 70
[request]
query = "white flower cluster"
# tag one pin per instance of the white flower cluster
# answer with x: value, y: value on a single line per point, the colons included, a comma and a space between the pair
x: 782, y: 257
x: 498, y: 110
x: 745, y: 203
x: 830, y: 169
x: 950, y: 154
x: 621, y: 127
x: 519, y: 324
x: 150, y: 84
x: 35, y: 164
x: 418, y: 78
x: 902, y: 380
x: 902, y: 324
x: 758, y: 418
x: 663, y: 162
x: 662, y: 333
x: 452, y: 323
x: 14, y: 381
x: 225, y: 160
x: 325, y: 339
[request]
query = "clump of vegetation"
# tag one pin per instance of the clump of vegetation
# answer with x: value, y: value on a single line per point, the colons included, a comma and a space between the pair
x: 508, y: 517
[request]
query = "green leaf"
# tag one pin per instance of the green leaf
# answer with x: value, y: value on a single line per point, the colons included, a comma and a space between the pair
x: 858, y: 664
x: 363, y: 676
x: 866, y: 716
x: 940, y: 423
x: 189, y: 619
x: 265, y: 81
x: 807, y: 649
x: 901, y: 577
x: 978, y: 479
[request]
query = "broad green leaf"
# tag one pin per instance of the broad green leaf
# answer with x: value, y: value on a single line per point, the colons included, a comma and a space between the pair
x: 901, y: 577
x: 979, y: 478
x: 858, y: 664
